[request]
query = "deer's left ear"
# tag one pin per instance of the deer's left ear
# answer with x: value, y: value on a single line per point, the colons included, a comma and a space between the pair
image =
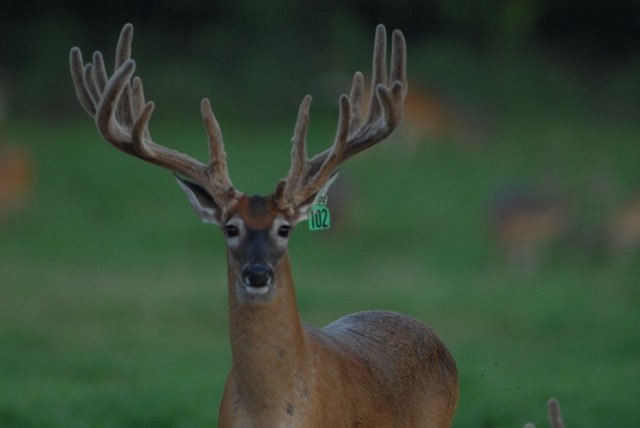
x: 317, y: 198
x: 201, y: 202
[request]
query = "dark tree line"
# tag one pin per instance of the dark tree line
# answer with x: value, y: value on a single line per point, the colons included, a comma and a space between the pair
x: 246, y: 43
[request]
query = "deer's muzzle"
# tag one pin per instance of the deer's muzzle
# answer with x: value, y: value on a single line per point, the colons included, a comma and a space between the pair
x: 257, y: 277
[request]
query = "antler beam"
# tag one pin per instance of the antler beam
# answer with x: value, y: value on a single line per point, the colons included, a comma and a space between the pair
x: 307, y: 176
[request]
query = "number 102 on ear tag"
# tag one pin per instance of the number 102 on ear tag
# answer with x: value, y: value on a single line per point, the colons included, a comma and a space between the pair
x: 319, y: 217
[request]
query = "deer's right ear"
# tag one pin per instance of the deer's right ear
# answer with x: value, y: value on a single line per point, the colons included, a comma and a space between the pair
x: 318, y: 197
x: 201, y: 202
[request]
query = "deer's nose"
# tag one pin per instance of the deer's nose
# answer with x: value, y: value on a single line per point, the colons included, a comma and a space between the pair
x: 257, y: 275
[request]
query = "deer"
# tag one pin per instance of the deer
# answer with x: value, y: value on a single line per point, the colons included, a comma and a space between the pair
x: 16, y: 174
x: 523, y: 223
x: 16, y: 181
x: 622, y: 230
x: 368, y: 369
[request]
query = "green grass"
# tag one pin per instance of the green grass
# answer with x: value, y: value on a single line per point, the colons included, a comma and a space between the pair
x: 113, y: 299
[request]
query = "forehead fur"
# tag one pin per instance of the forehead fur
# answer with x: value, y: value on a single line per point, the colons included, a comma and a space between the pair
x: 257, y: 212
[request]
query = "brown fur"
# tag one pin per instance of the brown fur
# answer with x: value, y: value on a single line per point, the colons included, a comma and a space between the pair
x: 369, y: 369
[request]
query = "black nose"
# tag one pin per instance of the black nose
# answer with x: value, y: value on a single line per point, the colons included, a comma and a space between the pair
x: 257, y: 275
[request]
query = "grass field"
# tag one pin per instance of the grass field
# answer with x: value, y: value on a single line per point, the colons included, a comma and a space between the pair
x: 113, y: 295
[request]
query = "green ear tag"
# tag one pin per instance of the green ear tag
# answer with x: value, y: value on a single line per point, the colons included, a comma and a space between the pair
x: 319, y: 216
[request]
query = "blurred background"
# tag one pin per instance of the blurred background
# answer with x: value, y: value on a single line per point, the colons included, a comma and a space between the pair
x: 505, y: 212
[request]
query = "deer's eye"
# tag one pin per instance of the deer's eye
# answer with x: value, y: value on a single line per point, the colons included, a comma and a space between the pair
x: 284, y: 230
x: 231, y: 231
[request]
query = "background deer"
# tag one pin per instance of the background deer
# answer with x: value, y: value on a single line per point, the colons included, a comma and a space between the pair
x: 524, y: 222
x: 614, y: 234
x: 16, y: 180
x: 371, y: 368
x: 622, y: 230
x: 16, y: 173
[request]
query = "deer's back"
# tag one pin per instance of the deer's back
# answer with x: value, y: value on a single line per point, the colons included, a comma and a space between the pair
x: 411, y: 375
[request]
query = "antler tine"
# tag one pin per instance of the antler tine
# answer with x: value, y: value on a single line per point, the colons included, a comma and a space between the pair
x: 399, y: 60
x: 99, y: 72
x: 299, y: 142
x: 90, y: 84
x: 123, y: 53
x: 122, y: 116
x: 77, y: 75
x: 217, y: 167
x: 379, y: 75
x: 123, y: 48
x: 287, y: 187
x: 555, y: 416
x: 355, y: 97
x: 106, y: 121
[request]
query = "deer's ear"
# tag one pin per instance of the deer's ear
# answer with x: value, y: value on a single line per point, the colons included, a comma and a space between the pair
x: 201, y: 202
x: 317, y: 198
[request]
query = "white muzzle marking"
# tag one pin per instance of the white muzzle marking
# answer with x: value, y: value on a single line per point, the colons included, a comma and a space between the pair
x: 257, y: 290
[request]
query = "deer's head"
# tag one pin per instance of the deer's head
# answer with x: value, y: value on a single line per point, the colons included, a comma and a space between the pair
x: 256, y: 228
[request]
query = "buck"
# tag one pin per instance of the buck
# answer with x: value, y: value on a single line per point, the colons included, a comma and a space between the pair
x: 368, y: 369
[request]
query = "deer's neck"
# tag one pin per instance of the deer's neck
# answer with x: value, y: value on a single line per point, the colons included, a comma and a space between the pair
x: 268, y: 343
